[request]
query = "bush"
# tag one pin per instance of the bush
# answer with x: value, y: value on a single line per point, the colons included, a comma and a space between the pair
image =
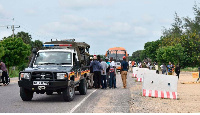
x: 13, y: 73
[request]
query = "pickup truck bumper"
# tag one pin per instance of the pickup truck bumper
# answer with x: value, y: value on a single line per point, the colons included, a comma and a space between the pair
x: 52, y: 85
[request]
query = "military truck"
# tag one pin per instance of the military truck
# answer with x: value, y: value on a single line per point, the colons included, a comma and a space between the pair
x: 62, y: 67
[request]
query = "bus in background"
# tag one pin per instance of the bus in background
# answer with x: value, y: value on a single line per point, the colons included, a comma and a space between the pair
x: 117, y: 53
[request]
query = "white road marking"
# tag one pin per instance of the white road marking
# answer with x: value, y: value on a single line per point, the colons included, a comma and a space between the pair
x: 81, y: 102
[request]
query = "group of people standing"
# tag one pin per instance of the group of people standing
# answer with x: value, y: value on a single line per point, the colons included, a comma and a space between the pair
x: 166, y: 69
x: 169, y: 69
x: 103, y: 72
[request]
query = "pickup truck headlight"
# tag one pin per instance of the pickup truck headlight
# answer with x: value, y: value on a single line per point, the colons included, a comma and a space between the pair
x: 61, y: 75
x: 25, y: 75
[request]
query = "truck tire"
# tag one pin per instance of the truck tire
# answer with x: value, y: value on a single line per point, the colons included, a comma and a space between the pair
x: 49, y: 92
x: 69, y: 93
x: 83, y: 87
x: 26, y: 94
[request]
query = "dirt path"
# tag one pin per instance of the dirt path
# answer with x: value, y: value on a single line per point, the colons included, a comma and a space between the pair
x: 188, y: 99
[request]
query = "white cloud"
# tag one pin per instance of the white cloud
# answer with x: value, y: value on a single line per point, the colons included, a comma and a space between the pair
x: 80, y: 26
x: 80, y: 4
x: 5, y: 34
x: 166, y: 21
x: 148, y: 19
x: 119, y: 27
x: 30, y: 11
x: 157, y: 33
x: 140, y: 31
x: 3, y: 12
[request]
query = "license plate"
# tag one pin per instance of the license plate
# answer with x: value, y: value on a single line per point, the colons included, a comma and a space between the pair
x: 40, y: 83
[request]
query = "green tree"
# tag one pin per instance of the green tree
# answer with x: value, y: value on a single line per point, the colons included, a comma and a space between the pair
x: 143, y: 55
x: 136, y: 56
x: 25, y: 37
x: 37, y: 44
x: 16, y: 51
x: 1, y: 51
x: 150, y: 49
x: 174, y: 54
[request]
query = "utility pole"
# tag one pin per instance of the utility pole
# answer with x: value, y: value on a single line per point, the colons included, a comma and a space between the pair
x: 12, y: 27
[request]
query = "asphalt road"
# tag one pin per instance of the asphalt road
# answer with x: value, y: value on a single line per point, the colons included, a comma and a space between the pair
x: 96, y: 101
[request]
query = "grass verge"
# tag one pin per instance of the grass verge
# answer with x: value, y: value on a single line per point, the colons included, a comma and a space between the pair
x: 190, y: 69
x: 13, y: 73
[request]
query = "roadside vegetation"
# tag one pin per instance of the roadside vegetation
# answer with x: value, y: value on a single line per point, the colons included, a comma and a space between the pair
x: 16, y: 52
x: 190, y: 69
x: 179, y: 44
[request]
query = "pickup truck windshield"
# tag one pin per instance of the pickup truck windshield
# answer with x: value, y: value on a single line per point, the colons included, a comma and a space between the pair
x: 53, y: 57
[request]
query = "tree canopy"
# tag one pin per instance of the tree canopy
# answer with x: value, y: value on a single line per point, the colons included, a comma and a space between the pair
x: 179, y: 44
x: 16, y: 51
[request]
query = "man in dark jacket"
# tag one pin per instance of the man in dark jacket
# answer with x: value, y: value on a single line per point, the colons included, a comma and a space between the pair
x: 97, y: 72
x: 124, y: 70
x: 4, y: 73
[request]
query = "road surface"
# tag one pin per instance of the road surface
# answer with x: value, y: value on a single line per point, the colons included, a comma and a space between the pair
x: 96, y: 101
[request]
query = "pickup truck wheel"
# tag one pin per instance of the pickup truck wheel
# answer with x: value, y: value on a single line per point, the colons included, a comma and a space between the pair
x: 83, y: 87
x: 69, y: 93
x: 26, y: 94
x: 49, y: 92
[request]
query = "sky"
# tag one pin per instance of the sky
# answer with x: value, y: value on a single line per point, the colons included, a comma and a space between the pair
x: 102, y: 24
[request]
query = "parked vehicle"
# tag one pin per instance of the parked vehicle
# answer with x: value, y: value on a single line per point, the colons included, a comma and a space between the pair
x: 62, y: 67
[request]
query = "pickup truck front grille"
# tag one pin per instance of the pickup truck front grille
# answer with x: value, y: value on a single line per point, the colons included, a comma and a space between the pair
x: 42, y: 76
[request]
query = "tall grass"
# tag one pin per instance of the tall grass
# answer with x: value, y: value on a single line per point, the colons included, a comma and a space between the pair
x: 13, y: 73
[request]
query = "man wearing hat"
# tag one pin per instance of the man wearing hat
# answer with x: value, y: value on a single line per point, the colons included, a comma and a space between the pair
x: 97, y: 72
x: 124, y: 70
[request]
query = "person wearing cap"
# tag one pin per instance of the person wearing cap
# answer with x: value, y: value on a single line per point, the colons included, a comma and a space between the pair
x: 112, y: 74
x: 4, y: 73
x: 107, y: 71
x: 91, y: 75
x: 97, y: 72
x: 124, y: 70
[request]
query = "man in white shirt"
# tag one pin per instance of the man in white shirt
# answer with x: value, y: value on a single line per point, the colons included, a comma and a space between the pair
x: 104, y: 65
x: 112, y: 73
